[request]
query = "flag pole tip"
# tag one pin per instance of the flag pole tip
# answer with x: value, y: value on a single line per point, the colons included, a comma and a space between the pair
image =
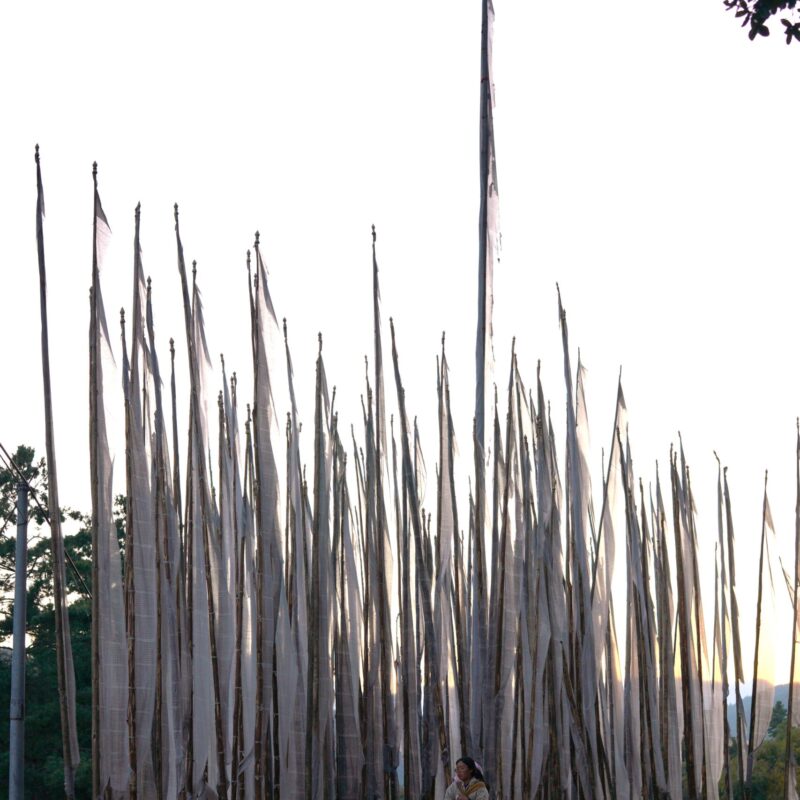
x: 258, y: 238
x: 94, y: 169
x: 149, y: 282
x: 374, y: 235
x: 122, y: 316
x: 36, y: 153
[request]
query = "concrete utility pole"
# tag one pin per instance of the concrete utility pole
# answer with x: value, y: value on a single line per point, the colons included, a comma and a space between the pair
x: 16, y: 755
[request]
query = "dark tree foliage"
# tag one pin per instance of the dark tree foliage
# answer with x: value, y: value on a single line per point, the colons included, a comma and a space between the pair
x: 757, y: 13
x: 40, y: 581
x: 44, y: 774
x: 770, y: 758
x: 44, y: 771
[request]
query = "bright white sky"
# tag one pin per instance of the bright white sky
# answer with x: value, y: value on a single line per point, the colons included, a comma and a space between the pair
x: 646, y: 163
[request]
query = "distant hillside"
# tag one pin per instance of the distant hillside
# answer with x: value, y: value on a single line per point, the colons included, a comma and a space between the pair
x: 781, y: 693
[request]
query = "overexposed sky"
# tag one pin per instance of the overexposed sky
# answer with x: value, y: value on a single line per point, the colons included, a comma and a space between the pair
x: 646, y: 163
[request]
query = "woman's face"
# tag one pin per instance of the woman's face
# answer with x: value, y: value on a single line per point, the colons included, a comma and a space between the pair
x: 463, y: 772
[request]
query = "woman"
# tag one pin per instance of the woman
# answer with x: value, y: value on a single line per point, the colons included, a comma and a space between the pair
x: 469, y: 783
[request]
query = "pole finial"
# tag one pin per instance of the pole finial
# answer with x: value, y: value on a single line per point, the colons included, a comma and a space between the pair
x: 319, y: 338
x: 122, y: 316
x: 36, y: 154
x: 374, y: 235
x: 258, y: 238
x: 94, y: 169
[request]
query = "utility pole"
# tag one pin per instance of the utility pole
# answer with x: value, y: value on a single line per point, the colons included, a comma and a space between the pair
x: 16, y: 756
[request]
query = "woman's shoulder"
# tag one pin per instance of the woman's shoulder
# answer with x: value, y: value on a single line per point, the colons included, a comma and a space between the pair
x: 479, y: 791
x: 476, y: 790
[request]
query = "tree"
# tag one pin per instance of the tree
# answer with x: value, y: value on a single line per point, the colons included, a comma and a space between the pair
x: 778, y: 716
x: 768, y: 767
x: 44, y: 776
x: 38, y: 572
x: 757, y: 13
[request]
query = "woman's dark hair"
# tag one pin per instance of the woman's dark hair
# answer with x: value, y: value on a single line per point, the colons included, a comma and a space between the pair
x: 470, y: 763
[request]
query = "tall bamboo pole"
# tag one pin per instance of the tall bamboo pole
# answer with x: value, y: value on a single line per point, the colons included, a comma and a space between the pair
x: 205, y: 513
x: 130, y: 549
x: 416, y: 522
x: 789, y: 769
x: 684, y: 629
x: 164, y: 577
x: 94, y: 459
x: 390, y: 773
x: 726, y: 763
x: 66, y: 679
x: 312, y: 697
x: 737, y: 647
x: 753, y: 709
